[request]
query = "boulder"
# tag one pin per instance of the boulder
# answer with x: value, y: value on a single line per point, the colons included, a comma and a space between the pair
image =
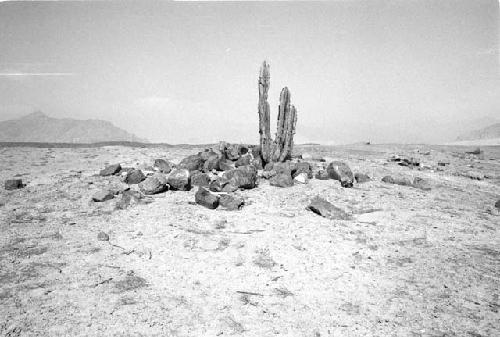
x: 192, y: 163
x: 361, y: 178
x: 230, y: 151
x: 242, y: 177
x: 243, y: 160
x: 134, y: 177
x: 206, y: 198
x: 302, y: 167
x: 212, y: 163
x: 200, y: 179
x: 153, y: 185
x: 301, y: 178
x: 324, y: 208
x: 476, y: 151
x: 257, y: 163
x: 110, y: 170
x: 340, y: 171
x: 179, y: 180
x: 225, y: 165
x: 103, y: 195
x: 207, y: 154
x: 101, y: 236
x: 13, y: 184
x: 164, y: 166
x: 283, y: 178
x: 231, y: 202
x: 217, y: 184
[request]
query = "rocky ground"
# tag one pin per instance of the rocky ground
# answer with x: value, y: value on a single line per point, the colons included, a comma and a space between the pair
x: 408, y: 261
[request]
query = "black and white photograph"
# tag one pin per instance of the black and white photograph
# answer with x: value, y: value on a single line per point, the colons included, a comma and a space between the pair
x: 250, y: 168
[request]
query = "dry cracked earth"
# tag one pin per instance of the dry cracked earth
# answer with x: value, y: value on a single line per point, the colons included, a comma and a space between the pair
x: 410, y: 262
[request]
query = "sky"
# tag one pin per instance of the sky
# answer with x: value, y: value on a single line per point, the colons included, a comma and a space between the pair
x: 186, y: 72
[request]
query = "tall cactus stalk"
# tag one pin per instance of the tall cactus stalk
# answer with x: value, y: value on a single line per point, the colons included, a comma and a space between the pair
x: 281, y: 148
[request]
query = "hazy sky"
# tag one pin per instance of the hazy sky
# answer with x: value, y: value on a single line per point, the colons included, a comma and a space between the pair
x: 386, y: 71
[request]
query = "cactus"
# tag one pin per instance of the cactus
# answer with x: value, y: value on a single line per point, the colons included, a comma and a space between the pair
x: 280, y: 149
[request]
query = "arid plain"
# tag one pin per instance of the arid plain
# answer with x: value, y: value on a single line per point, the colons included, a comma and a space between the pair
x: 410, y: 262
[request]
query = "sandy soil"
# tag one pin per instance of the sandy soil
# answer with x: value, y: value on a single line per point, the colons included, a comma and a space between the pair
x: 410, y: 263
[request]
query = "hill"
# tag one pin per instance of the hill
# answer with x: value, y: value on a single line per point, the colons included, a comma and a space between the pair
x: 38, y: 127
x: 489, y: 132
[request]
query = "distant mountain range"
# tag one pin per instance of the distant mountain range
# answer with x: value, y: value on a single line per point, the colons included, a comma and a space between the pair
x: 38, y: 127
x: 489, y: 132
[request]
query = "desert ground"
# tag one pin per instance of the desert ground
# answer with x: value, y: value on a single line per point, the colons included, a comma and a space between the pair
x: 410, y: 262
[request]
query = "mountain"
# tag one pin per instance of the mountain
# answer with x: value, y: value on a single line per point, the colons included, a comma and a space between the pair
x: 38, y: 127
x: 489, y: 132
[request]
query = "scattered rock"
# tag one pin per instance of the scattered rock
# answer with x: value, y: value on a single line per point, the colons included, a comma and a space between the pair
x: 179, y: 180
x: 324, y: 208
x: 422, y: 184
x: 200, y: 179
x: 398, y: 180
x: 110, y: 170
x: 231, y: 202
x: 154, y: 184
x: 361, y: 178
x: 301, y: 178
x: 164, y: 166
x: 135, y: 177
x: 322, y: 175
x: 242, y: 177
x: 128, y: 198
x: 340, y: 171
x: 13, y: 184
x: 192, y: 163
x: 475, y: 175
x: 103, y: 195
x: 101, y: 236
x: 206, y: 198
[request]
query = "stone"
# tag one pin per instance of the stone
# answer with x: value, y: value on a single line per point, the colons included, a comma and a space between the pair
x: 192, y: 163
x: 242, y: 177
x: 110, y: 170
x: 231, y: 202
x: 398, y: 180
x: 179, y: 180
x: 340, y: 171
x: 217, y: 184
x: 225, y: 165
x: 243, y: 160
x: 200, y: 179
x: 322, y: 175
x: 206, y: 198
x: 302, y: 167
x: 101, y: 236
x: 103, y: 195
x: 135, y: 177
x: 324, y: 208
x: 153, y: 185
x: 282, y: 179
x: 164, y: 166
x: 212, y: 163
x: 128, y: 198
x: 361, y: 178
x: 497, y: 204
x: 13, y: 184
x: 422, y: 184
x: 301, y: 178
x: 474, y: 175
